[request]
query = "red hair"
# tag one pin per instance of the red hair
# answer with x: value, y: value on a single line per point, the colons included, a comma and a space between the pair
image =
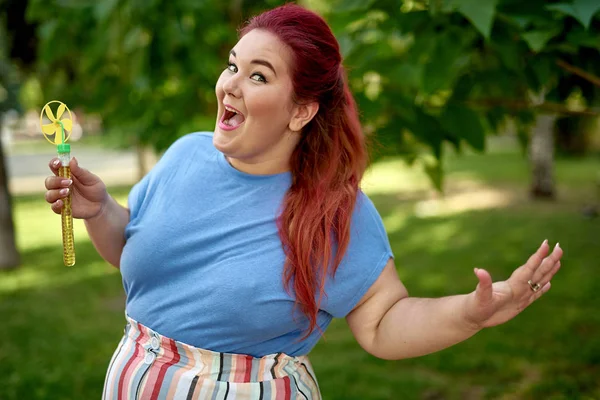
x: 329, y: 161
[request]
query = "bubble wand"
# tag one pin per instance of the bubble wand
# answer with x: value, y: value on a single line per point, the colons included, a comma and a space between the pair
x: 57, y: 127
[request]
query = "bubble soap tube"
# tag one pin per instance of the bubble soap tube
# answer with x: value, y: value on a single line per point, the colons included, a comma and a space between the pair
x: 58, y: 128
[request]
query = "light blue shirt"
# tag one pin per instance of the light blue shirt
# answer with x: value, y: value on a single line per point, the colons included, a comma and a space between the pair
x: 203, y: 262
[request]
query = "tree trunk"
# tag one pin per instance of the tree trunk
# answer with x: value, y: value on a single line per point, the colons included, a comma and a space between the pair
x: 541, y: 158
x: 9, y: 255
x: 146, y: 159
x: 141, y: 162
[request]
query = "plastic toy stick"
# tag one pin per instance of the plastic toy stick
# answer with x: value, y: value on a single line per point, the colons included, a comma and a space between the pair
x: 58, y: 127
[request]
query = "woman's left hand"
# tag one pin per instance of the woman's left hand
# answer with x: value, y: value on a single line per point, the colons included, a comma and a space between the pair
x: 495, y: 303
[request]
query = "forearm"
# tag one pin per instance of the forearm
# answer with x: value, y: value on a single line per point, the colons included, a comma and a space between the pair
x: 417, y: 326
x: 107, y: 231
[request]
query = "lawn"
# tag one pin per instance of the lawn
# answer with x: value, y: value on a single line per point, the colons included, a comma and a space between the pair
x: 60, y: 325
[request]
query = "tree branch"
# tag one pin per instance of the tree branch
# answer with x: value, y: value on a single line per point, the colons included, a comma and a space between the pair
x: 579, y: 72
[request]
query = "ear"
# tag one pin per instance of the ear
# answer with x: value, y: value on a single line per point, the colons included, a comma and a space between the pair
x: 302, y: 115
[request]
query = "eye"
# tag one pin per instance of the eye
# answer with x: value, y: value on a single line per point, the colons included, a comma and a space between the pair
x: 255, y: 76
x: 260, y: 78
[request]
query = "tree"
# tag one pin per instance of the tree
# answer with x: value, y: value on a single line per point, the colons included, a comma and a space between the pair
x: 449, y: 71
x: 425, y: 72
x: 9, y: 256
x: 148, y: 68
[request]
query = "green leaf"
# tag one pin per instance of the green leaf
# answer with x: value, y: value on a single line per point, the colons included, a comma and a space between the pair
x: 446, y: 61
x: 536, y: 40
x: 104, y: 9
x: 435, y: 173
x: 495, y: 117
x: 544, y: 71
x: 583, y: 39
x: 479, y: 12
x: 439, y: 6
x: 464, y: 123
x: 508, y: 52
x: 412, y: 21
x: 582, y: 10
x: 353, y: 5
x: 427, y: 128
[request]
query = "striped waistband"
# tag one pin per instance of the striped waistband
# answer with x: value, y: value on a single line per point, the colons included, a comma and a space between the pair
x: 147, y: 365
x: 224, y: 367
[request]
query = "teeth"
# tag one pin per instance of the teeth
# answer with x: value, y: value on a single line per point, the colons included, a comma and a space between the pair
x: 230, y: 109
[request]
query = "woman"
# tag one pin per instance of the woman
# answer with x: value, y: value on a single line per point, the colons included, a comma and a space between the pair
x: 242, y: 244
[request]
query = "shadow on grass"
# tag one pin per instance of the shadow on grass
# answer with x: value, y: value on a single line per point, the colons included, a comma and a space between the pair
x: 551, y: 349
x: 60, y: 327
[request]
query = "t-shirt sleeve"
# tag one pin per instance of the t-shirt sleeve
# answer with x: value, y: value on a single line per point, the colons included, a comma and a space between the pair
x: 136, y: 196
x: 368, y: 252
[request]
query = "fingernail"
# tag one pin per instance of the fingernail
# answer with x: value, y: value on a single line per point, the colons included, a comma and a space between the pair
x: 64, y: 192
x: 66, y: 182
x: 545, y: 241
x: 557, y: 245
x: 56, y: 163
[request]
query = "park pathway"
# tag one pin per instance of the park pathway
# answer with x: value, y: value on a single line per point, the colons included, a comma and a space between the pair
x: 27, y: 171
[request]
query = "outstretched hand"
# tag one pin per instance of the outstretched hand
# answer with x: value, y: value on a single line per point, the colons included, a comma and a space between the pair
x: 493, y: 303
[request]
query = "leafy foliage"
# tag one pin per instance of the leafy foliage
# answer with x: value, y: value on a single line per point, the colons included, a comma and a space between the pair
x: 9, y: 82
x: 424, y: 72
x: 454, y: 70
x: 148, y: 67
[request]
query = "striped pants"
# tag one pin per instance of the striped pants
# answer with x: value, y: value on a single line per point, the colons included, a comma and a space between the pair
x: 149, y: 366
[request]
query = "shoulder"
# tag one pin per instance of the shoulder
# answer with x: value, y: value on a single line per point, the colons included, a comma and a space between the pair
x: 190, y: 143
x: 192, y: 139
x: 366, y: 214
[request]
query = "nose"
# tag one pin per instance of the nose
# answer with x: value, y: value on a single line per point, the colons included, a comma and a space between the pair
x: 231, y: 86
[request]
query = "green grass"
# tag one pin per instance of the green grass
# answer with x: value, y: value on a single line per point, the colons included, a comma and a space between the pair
x: 60, y: 325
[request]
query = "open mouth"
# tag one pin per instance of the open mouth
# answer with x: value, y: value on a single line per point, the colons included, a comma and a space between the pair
x: 232, y: 118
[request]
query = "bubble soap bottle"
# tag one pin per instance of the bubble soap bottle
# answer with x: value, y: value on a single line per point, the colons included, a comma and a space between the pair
x: 57, y: 127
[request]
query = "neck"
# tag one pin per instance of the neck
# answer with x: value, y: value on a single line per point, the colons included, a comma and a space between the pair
x: 268, y: 167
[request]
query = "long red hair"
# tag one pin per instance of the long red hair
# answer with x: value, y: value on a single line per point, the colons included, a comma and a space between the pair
x: 328, y: 163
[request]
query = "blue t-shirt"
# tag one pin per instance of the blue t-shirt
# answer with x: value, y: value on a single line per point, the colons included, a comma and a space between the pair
x: 203, y: 261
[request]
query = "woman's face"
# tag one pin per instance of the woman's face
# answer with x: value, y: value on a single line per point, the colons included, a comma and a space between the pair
x: 255, y: 118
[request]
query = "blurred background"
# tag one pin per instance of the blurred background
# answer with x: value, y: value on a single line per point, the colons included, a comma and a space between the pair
x: 483, y: 115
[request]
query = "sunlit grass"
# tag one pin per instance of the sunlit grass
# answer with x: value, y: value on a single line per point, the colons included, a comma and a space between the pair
x: 39, y: 232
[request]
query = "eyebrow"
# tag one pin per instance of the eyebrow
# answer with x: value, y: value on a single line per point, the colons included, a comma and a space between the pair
x: 259, y: 62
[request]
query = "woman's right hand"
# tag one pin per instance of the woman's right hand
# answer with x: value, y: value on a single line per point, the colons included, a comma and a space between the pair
x: 89, y: 195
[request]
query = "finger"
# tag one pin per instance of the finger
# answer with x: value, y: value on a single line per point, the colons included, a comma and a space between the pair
x: 483, y: 292
x: 548, y: 277
x: 82, y: 175
x: 54, y: 195
x: 536, y: 258
x: 547, y: 265
x: 57, y: 206
x: 56, y: 182
x: 54, y: 165
x: 540, y: 293
x: 545, y: 289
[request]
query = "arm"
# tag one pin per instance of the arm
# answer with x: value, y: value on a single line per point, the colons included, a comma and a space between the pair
x: 107, y: 230
x: 391, y: 325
